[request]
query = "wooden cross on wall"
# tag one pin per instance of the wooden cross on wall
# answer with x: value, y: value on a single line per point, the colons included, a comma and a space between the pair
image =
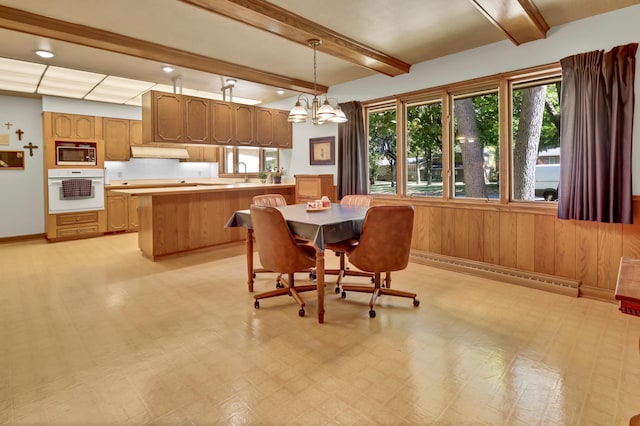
x: 19, y: 132
x: 30, y: 147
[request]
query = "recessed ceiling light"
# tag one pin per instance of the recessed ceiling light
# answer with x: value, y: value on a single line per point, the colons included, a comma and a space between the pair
x: 44, y: 54
x: 167, y: 69
x: 280, y: 92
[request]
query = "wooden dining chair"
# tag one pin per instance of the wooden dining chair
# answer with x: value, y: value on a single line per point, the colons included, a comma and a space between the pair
x: 384, y: 246
x: 278, y: 251
x: 356, y: 200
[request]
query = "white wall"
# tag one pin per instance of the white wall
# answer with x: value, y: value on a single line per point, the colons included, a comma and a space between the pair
x: 22, y: 191
x: 600, y: 32
x: 98, y: 109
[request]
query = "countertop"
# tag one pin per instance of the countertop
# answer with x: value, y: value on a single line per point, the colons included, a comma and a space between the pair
x: 192, y: 187
x: 166, y: 183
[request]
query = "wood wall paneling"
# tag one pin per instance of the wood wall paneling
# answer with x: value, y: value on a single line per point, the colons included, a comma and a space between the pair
x: 491, y: 237
x: 475, y: 235
x: 565, y: 248
x: 435, y: 230
x: 587, y: 253
x: 525, y: 242
x: 461, y: 233
x: 544, y: 239
x: 508, y: 242
x: 609, y: 253
x: 420, y: 238
x: 631, y: 234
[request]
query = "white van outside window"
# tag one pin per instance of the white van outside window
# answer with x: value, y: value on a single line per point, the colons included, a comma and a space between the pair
x: 547, y: 181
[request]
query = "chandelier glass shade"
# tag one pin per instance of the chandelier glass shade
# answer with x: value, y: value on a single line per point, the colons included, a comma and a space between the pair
x: 320, y: 114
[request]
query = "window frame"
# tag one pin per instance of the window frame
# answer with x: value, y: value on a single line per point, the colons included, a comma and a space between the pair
x: 504, y: 83
x: 236, y: 173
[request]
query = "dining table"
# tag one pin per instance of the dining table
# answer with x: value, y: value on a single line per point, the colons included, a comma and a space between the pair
x: 318, y: 225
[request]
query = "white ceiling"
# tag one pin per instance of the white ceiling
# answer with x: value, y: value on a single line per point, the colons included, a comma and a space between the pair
x: 410, y: 30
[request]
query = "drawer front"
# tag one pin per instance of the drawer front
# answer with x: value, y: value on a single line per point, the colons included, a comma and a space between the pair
x: 80, y: 230
x: 74, y: 218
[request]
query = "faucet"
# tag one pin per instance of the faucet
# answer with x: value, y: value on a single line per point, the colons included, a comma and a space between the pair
x: 246, y: 178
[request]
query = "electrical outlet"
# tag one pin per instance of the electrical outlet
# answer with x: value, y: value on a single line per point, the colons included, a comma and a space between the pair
x: 119, y: 174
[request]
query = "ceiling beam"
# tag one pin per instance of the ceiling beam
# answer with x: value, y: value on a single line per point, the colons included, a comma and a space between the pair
x: 520, y: 20
x: 42, y: 26
x: 276, y: 20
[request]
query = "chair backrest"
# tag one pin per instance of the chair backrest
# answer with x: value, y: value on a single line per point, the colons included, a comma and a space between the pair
x: 277, y: 248
x: 271, y: 200
x: 356, y: 200
x: 385, y: 240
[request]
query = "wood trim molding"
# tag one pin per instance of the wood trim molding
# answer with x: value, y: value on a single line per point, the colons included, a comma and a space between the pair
x: 266, y: 16
x: 520, y: 20
x: 30, y: 23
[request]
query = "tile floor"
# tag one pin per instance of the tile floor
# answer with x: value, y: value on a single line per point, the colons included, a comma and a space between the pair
x: 92, y: 333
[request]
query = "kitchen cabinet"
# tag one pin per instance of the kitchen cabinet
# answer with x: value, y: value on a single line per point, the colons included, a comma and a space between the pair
x: 122, y: 213
x: 174, y: 118
x: 196, y: 120
x: 135, y: 132
x: 70, y: 225
x: 162, y: 117
x: 244, y: 118
x: 116, y: 135
x: 282, y: 129
x: 221, y: 123
x: 73, y: 126
x: 313, y: 187
x: 264, y: 127
x: 200, y: 153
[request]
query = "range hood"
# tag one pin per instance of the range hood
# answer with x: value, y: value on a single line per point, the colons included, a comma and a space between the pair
x: 138, y: 151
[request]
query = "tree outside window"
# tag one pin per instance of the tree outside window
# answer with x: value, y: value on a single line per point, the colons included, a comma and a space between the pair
x: 424, y: 153
x: 536, y: 132
x: 382, y: 151
x: 476, y: 153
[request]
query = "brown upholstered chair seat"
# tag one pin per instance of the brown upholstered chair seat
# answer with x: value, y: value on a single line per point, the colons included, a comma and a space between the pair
x: 278, y: 251
x: 384, y: 246
x: 341, y: 247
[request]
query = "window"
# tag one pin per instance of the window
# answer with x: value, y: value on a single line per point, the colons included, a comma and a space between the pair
x: 241, y: 160
x: 424, y: 149
x: 455, y: 139
x: 382, y: 150
x: 475, y: 158
x: 535, y: 140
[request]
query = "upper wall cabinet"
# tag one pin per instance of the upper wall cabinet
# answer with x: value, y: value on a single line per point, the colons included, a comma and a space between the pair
x: 115, y: 132
x: 72, y: 126
x: 221, y: 123
x: 163, y: 117
x: 244, y: 124
x: 169, y: 117
x: 196, y: 120
x: 282, y: 129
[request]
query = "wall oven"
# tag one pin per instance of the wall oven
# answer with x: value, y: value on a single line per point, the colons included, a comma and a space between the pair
x: 75, y: 190
x: 76, y: 153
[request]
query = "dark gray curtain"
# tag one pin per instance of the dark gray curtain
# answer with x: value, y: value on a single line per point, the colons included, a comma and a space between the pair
x: 353, y: 157
x: 596, y: 128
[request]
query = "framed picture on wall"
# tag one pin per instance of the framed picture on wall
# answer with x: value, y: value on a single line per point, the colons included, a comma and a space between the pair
x: 321, y: 151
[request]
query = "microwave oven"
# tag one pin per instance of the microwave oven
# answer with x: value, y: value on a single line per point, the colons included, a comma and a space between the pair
x: 76, y: 153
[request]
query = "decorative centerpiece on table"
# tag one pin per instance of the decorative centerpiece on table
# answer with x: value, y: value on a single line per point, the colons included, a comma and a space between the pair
x: 276, y: 174
x: 262, y: 175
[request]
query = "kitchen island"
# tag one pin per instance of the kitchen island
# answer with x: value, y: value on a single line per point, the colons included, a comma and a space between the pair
x: 178, y: 219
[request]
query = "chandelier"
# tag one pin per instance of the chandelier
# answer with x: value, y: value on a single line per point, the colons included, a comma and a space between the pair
x: 319, y: 114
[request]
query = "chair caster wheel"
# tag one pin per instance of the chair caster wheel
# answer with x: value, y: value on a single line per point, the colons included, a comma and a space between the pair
x: 344, y: 295
x: 256, y: 304
x: 312, y: 276
x: 337, y: 290
x: 372, y: 313
x: 416, y: 302
x: 279, y: 285
x: 254, y: 275
x: 301, y: 312
x: 373, y: 280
